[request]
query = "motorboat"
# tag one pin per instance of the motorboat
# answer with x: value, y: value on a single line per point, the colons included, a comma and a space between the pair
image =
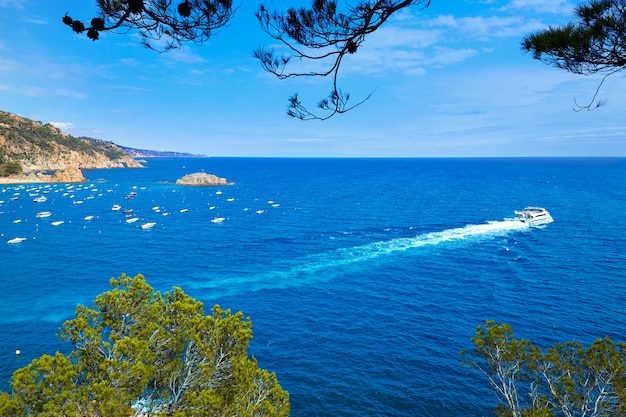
x: 148, y: 225
x: 218, y: 220
x: 132, y: 220
x: 534, y: 216
x: 16, y: 240
x: 43, y: 214
x: 116, y: 207
x: 89, y: 218
x: 40, y: 199
x: 57, y: 223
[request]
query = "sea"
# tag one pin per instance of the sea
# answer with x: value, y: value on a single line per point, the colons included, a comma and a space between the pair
x: 363, y: 278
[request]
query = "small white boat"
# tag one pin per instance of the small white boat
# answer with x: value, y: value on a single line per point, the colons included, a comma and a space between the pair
x: 218, y: 220
x: 16, y: 240
x: 116, y: 207
x: 57, y: 223
x: 148, y: 225
x: 89, y: 218
x: 534, y: 216
x: 40, y: 199
x: 184, y: 210
x: 16, y: 221
x: 230, y: 200
x: 43, y: 214
x: 132, y: 220
x: 260, y: 211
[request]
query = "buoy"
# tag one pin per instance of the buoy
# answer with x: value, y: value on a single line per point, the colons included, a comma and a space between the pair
x: 17, y: 352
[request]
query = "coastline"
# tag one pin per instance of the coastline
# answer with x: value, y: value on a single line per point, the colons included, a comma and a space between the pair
x: 68, y: 175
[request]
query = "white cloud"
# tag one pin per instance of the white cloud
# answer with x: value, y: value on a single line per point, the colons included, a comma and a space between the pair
x: 444, y: 55
x: 64, y: 92
x: 411, y: 44
x: 562, y: 7
x: 12, y: 3
x: 64, y: 126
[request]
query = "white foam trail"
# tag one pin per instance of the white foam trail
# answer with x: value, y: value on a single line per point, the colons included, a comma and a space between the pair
x: 469, y: 233
x: 316, y: 267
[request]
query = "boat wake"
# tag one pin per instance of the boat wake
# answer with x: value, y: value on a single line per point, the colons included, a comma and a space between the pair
x: 326, y: 266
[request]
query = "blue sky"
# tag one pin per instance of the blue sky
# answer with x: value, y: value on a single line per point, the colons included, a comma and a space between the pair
x: 447, y: 81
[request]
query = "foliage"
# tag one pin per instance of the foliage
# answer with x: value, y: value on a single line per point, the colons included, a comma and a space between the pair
x: 164, y: 21
x: 26, y: 139
x: 10, y: 168
x: 564, y: 380
x: 322, y: 33
x: 594, y: 43
x: 137, y: 352
x: 108, y: 148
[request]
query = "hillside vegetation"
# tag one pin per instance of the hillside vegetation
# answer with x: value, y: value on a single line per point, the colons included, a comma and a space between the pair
x: 28, y: 147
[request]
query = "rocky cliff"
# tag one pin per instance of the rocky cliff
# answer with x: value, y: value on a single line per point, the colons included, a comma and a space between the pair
x: 31, y: 151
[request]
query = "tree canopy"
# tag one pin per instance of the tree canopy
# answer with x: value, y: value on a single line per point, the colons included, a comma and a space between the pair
x: 594, y: 43
x: 137, y: 352
x: 323, y: 33
x: 565, y: 380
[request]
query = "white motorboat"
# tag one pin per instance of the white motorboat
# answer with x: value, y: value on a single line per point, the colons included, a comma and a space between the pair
x: 40, y: 199
x: 148, y: 225
x: 89, y: 218
x: 57, y: 223
x: 16, y: 240
x: 43, y: 214
x: 534, y: 216
x: 218, y: 220
x: 116, y: 207
x: 132, y: 220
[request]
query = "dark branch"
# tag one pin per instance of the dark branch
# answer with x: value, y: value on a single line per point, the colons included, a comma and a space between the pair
x: 595, y: 43
x: 159, y: 20
x: 323, y: 34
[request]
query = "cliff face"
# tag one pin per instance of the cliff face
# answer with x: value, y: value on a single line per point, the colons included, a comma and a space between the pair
x: 41, y: 148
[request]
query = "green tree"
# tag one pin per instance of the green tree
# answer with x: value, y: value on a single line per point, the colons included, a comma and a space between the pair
x: 139, y: 352
x: 12, y: 168
x: 323, y: 33
x: 595, y: 42
x: 564, y: 380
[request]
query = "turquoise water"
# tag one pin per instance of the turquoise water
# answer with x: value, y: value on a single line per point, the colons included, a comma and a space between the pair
x: 363, y: 278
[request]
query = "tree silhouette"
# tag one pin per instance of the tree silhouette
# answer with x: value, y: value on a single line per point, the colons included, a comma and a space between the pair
x: 323, y: 33
x: 595, y: 43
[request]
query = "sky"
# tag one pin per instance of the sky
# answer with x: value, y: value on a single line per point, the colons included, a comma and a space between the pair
x: 450, y: 80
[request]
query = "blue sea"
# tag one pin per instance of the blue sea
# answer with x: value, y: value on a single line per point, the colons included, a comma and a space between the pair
x: 363, y: 278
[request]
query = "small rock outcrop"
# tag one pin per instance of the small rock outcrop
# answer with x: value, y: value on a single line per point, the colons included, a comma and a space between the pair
x: 68, y: 175
x: 202, y: 178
